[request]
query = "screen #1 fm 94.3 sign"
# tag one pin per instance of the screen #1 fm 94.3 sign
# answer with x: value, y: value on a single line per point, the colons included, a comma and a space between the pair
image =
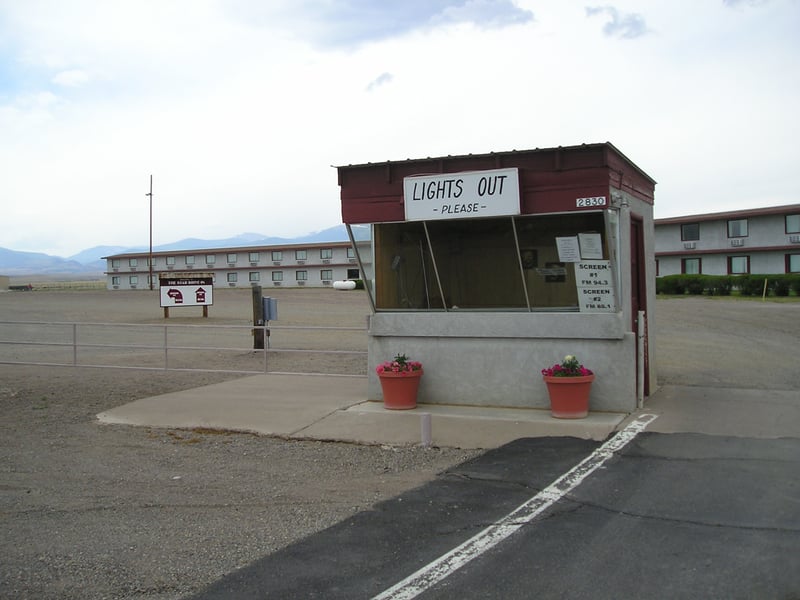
x: 595, y: 286
x: 462, y: 195
x: 186, y: 289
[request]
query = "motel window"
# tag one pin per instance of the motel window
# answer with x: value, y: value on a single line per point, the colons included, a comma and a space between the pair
x: 233, y: 277
x: 255, y: 276
x: 326, y: 274
x: 738, y: 265
x: 254, y: 256
x: 691, y: 266
x: 132, y: 262
x: 482, y: 264
x: 115, y: 280
x: 300, y: 254
x: 301, y: 275
x: 793, y: 263
x: 277, y: 276
x: 690, y: 232
x: 737, y: 228
x: 232, y: 257
x: 151, y: 262
x: 115, y: 262
x: 133, y: 279
x: 211, y: 259
x: 351, y: 253
x: 326, y: 253
x: 170, y: 260
x: 277, y: 255
x: 792, y: 223
x: 353, y: 274
x: 189, y: 260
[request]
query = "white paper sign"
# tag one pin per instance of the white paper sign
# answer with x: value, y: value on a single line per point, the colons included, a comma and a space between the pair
x: 462, y: 195
x: 591, y: 245
x: 568, y: 249
x: 595, y: 283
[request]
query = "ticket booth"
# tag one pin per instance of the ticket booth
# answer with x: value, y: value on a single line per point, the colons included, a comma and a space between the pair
x: 489, y: 267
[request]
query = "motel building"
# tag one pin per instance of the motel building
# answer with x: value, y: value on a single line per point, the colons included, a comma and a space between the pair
x: 762, y: 241
x: 291, y: 265
x: 488, y: 268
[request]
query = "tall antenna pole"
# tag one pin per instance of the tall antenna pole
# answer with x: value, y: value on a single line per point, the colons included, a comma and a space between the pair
x: 150, y: 256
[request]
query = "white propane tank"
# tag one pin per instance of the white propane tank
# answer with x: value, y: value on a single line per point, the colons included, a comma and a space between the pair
x: 344, y: 285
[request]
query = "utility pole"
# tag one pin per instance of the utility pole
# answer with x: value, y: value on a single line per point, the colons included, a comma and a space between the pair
x: 150, y: 256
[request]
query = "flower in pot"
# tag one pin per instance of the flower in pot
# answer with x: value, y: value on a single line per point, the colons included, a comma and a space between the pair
x: 569, y: 384
x: 399, y: 379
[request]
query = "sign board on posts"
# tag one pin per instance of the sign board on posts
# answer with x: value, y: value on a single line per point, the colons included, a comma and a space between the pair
x: 462, y: 195
x: 186, y: 289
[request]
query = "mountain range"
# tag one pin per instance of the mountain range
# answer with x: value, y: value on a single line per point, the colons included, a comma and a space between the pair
x: 90, y: 261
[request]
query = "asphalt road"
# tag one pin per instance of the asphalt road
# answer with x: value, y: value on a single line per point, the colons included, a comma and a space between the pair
x: 681, y: 515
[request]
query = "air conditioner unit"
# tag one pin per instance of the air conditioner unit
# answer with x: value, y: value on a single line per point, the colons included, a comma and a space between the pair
x: 133, y: 287
x: 353, y: 260
x: 737, y: 242
x: 133, y: 268
x: 231, y: 265
x: 116, y: 270
x: 301, y: 262
x: 276, y: 263
x: 170, y: 267
x: 301, y: 283
x: 794, y: 239
x: 116, y: 287
x: 326, y: 261
x: 190, y: 266
x: 232, y: 284
x: 276, y: 283
x: 690, y: 245
x: 326, y: 282
x: 253, y: 264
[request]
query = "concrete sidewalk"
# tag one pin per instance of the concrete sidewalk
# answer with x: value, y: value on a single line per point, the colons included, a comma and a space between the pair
x: 334, y: 408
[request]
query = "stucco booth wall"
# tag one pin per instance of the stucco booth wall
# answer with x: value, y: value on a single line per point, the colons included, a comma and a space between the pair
x: 495, y: 359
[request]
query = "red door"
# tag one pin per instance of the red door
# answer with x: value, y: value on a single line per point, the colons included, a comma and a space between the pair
x: 639, y: 291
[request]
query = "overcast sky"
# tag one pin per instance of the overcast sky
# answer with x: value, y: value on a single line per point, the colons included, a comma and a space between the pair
x: 238, y: 108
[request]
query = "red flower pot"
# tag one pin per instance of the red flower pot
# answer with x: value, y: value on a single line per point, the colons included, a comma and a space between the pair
x: 569, y: 396
x: 400, y: 389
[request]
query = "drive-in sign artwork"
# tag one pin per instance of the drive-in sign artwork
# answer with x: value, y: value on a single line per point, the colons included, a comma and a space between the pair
x: 186, y: 290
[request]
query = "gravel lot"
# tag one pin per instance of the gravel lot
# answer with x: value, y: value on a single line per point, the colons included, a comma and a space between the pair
x: 96, y: 511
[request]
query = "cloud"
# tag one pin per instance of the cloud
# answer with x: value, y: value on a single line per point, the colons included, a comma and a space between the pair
x: 489, y: 14
x: 621, y: 25
x: 71, y: 78
x: 735, y: 3
x: 382, y: 79
x: 352, y: 23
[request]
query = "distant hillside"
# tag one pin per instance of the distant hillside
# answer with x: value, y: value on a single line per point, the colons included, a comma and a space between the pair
x: 90, y: 261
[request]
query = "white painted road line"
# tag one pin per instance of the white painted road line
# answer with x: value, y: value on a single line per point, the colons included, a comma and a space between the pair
x: 431, y: 574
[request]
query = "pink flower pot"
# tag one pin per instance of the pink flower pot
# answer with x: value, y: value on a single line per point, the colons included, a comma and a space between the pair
x: 569, y: 396
x: 400, y: 389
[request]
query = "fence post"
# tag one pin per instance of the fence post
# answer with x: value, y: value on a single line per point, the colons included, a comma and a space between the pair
x: 258, y: 319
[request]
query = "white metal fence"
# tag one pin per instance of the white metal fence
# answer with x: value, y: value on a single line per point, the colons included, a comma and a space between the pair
x: 181, y: 347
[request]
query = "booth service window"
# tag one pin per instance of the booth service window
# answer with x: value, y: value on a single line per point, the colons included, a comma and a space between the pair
x: 519, y: 263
